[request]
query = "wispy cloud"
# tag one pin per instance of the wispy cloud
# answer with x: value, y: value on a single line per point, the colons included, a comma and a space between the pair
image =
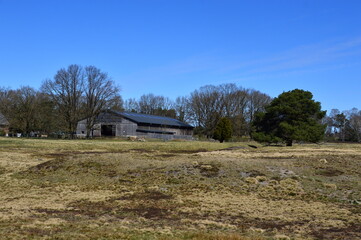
x: 213, y: 68
x: 302, y: 58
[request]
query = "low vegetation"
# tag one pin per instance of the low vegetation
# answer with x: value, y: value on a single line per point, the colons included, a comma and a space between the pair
x: 113, y: 189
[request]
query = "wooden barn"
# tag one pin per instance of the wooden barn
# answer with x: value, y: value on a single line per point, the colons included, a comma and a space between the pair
x: 4, y: 124
x: 125, y: 124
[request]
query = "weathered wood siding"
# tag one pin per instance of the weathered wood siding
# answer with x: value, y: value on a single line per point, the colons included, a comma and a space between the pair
x: 175, y: 131
x: 81, y: 129
x: 124, y: 127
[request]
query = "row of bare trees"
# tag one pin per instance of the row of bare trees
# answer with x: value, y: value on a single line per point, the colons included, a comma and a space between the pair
x: 82, y: 93
x: 204, y: 107
x: 344, y: 125
x: 75, y: 93
x: 27, y: 110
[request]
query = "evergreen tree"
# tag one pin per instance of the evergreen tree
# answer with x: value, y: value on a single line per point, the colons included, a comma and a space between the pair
x: 223, y: 130
x: 293, y: 115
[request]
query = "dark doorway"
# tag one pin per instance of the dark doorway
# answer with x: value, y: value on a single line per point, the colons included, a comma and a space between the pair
x: 108, y: 130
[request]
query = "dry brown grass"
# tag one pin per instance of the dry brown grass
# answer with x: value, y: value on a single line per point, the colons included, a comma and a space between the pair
x: 108, y: 189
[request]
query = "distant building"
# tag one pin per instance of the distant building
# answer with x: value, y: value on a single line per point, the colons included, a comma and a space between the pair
x: 4, y: 124
x: 124, y: 124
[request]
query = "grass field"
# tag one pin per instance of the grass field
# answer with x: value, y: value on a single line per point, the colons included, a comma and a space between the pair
x: 112, y: 189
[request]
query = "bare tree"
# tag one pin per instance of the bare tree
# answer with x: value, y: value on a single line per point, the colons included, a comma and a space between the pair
x: 100, y: 94
x: 355, y: 124
x: 118, y: 104
x: 25, y: 106
x: 206, y: 108
x: 131, y: 105
x: 181, y: 107
x: 66, y: 90
x: 156, y: 105
x: 210, y: 103
x: 257, y: 102
x: 148, y: 103
x: 3, y: 119
x: 28, y: 110
x: 46, y: 114
x: 235, y: 100
x: 5, y: 102
x: 5, y: 106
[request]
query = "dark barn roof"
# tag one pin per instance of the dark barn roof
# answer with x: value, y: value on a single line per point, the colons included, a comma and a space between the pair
x: 3, y: 120
x: 152, y: 119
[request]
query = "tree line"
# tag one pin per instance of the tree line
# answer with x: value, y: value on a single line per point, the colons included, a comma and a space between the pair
x: 76, y: 93
x: 206, y: 106
x: 343, y: 125
x: 73, y: 94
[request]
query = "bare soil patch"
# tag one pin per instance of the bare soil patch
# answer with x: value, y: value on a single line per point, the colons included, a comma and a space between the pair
x: 189, y: 151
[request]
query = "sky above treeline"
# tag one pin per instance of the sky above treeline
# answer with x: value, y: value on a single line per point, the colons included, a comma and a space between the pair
x: 171, y: 48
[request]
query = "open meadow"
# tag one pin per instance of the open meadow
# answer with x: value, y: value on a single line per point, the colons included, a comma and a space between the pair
x: 114, y: 189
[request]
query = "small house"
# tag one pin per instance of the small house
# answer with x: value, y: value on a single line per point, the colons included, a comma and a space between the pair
x: 124, y: 124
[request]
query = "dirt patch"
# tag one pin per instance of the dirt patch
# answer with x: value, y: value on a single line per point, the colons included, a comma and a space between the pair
x: 232, y: 148
x: 149, y: 212
x: 166, y: 155
x: 51, y: 165
x: 2, y: 170
x: 141, y: 150
x: 149, y: 195
x: 329, y: 172
x: 148, y: 204
x: 277, y: 157
x: 68, y: 154
x: 246, y: 223
x: 77, y: 167
x: 38, y: 231
x: 252, y: 173
x: 95, y: 209
x: 252, y: 146
x: 190, y: 151
x: 351, y: 232
x: 208, y: 170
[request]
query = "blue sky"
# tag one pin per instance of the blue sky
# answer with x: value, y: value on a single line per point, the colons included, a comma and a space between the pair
x: 173, y: 47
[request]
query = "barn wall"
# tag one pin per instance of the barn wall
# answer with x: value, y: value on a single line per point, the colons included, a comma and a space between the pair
x: 81, y: 129
x: 164, y: 136
x: 176, y: 131
x: 97, y: 130
x: 126, y: 128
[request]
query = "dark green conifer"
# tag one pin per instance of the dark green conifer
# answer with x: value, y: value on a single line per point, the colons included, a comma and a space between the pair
x: 223, y: 131
x: 293, y: 115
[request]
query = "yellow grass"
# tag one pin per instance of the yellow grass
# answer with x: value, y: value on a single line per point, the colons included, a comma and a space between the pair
x: 113, y: 189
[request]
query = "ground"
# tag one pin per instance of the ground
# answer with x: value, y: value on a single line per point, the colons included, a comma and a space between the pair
x: 113, y: 189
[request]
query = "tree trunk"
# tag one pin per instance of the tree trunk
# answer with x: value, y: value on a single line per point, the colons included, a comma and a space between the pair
x: 289, y: 142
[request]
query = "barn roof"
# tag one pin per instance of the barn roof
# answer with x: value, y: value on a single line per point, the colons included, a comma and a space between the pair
x: 3, y: 120
x: 152, y: 119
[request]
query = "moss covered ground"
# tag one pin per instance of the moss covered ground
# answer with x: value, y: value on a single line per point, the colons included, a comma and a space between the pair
x: 114, y: 189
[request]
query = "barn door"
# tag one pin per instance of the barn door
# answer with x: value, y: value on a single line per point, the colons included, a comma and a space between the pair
x: 108, y: 130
